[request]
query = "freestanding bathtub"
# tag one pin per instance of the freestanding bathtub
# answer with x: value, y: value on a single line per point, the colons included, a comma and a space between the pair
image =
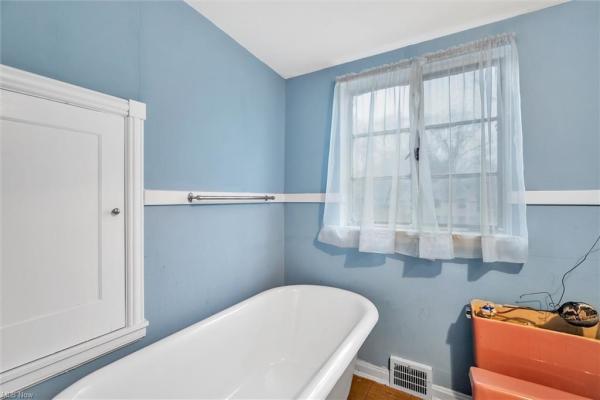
x: 285, y: 343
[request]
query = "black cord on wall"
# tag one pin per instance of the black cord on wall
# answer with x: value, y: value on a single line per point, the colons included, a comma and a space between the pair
x: 556, y: 305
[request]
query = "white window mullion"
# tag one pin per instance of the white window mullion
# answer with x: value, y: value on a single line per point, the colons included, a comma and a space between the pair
x: 483, y: 177
x: 368, y: 198
x: 394, y: 191
x: 416, y: 113
x: 346, y: 186
x: 450, y: 162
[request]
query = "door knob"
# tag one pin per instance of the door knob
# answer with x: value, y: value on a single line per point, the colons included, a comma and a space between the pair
x: 115, y: 211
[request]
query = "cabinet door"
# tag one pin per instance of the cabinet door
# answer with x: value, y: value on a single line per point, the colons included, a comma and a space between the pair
x: 62, y: 251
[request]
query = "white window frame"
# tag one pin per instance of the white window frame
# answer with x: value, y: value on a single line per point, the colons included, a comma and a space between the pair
x: 446, y: 73
x: 350, y: 179
x: 134, y: 113
x: 352, y: 137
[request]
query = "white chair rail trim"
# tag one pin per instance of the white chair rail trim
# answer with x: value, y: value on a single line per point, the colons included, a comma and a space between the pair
x: 179, y: 197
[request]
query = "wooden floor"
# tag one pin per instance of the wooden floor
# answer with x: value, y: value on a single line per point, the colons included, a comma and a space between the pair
x: 365, y: 389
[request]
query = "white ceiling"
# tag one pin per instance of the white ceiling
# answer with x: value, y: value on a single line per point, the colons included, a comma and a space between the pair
x: 295, y: 37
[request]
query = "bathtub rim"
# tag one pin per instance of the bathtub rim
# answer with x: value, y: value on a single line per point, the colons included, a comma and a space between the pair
x: 330, y: 372
x: 321, y: 383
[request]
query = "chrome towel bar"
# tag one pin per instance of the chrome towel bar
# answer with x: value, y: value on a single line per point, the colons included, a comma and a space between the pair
x: 191, y: 197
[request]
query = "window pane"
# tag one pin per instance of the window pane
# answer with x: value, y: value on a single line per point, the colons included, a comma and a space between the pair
x: 457, y: 96
x: 493, y: 87
x: 466, y: 203
x: 466, y: 93
x: 390, y: 107
x: 355, y: 212
x: 404, y: 108
x: 491, y: 146
x: 466, y: 148
x: 360, y: 113
x: 466, y: 209
x: 381, y: 200
x: 466, y: 100
x: 404, y: 205
x: 385, y: 154
x: 436, y: 94
x: 388, y: 152
x: 441, y: 197
x: 493, y: 201
x: 435, y: 145
x: 359, y: 157
x: 385, y: 115
x: 458, y: 149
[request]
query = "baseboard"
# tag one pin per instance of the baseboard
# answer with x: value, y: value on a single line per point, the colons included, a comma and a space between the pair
x: 372, y: 372
x: 382, y: 375
x: 443, y: 393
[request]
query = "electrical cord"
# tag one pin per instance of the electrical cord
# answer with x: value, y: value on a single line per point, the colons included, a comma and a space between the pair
x: 556, y: 305
x: 581, y: 261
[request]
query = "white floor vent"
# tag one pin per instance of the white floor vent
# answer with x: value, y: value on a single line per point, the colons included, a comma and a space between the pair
x: 411, y: 377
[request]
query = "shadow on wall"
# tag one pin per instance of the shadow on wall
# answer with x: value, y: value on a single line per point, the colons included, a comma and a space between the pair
x: 416, y: 267
x: 459, y: 334
x: 413, y: 267
x: 460, y: 339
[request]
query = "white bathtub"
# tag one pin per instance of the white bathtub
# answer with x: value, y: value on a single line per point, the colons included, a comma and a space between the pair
x: 284, y: 343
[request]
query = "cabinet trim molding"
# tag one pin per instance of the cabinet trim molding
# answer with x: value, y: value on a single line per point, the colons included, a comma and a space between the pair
x: 37, y: 371
x: 134, y: 114
x: 24, y: 82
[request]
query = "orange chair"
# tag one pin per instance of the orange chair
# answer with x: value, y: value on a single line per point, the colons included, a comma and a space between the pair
x: 489, y: 385
x: 530, y: 354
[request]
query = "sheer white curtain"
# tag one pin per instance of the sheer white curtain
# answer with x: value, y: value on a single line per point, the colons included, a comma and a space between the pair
x: 426, y: 157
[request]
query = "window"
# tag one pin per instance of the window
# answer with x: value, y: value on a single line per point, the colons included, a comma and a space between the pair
x: 452, y: 139
x: 390, y: 137
x: 426, y: 157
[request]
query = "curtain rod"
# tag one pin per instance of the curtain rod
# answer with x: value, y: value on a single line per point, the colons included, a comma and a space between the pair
x: 495, y: 41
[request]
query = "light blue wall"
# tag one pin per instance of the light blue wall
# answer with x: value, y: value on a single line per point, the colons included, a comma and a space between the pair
x: 421, y: 302
x: 215, y: 122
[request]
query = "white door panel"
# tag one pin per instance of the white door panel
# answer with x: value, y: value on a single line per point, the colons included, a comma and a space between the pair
x: 62, y: 255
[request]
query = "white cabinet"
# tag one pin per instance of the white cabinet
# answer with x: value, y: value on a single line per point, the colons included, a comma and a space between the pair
x: 71, y: 254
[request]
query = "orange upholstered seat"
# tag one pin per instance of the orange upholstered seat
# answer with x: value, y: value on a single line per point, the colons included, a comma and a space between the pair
x: 489, y: 385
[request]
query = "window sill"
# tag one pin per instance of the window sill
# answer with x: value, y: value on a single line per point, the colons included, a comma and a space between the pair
x: 412, y: 232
